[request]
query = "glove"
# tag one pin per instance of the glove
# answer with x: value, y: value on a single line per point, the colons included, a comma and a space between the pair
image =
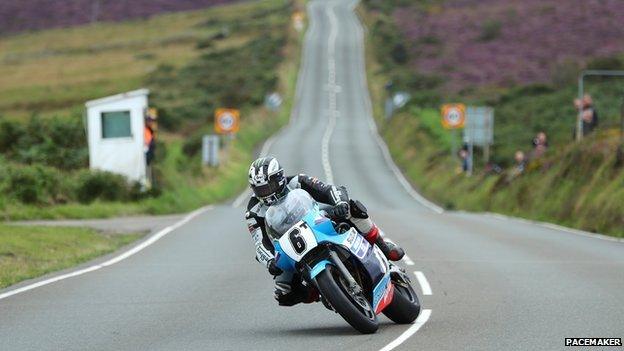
x: 341, y: 210
x: 273, y: 268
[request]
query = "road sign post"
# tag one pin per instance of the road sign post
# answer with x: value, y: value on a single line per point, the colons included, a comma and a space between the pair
x: 453, y: 117
x: 479, y: 131
x: 210, y: 150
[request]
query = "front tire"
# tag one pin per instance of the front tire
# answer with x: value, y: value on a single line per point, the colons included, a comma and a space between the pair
x: 335, y: 293
x: 405, y: 306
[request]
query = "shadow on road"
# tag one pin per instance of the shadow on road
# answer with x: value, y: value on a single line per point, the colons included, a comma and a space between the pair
x: 318, y: 331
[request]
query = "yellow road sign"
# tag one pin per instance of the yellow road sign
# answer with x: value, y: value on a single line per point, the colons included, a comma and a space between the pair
x: 227, y: 120
x: 453, y: 116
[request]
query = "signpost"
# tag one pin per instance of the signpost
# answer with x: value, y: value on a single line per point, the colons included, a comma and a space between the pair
x: 453, y: 118
x: 479, y: 130
x: 210, y: 150
x: 227, y: 120
x: 273, y: 101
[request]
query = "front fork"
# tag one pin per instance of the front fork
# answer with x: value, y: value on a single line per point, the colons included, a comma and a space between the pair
x: 353, y: 286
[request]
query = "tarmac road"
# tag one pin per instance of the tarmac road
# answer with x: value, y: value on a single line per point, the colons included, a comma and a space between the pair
x: 497, y: 284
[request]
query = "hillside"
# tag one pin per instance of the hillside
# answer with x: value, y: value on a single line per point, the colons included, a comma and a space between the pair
x: 520, y: 57
x: 222, y: 56
x: 28, y: 15
x: 522, y: 42
x: 531, y: 89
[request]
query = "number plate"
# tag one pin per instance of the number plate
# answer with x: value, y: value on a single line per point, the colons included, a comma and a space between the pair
x: 298, y: 241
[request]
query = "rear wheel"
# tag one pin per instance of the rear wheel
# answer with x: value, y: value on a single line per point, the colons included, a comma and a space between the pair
x: 353, y: 307
x: 405, y: 307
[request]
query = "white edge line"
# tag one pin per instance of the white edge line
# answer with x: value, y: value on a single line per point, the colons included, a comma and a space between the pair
x: 380, y: 142
x: 551, y: 226
x: 152, y: 239
x: 424, y: 284
x: 420, y: 321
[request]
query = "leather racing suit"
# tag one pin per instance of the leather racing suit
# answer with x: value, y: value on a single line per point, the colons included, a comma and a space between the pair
x: 288, y: 290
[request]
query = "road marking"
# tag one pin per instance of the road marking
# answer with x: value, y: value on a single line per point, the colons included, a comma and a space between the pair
x: 373, y: 127
x: 152, y: 239
x: 303, y: 69
x: 424, y: 284
x: 332, y: 91
x: 420, y: 321
x: 408, y: 261
x: 551, y: 226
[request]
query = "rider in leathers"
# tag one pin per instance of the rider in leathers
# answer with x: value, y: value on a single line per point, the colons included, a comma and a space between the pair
x: 267, y: 180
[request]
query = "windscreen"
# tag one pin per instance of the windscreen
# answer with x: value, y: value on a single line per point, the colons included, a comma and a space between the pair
x: 283, y: 215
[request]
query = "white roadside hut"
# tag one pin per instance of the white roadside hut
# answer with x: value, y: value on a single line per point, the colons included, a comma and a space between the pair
x: 115, y: 126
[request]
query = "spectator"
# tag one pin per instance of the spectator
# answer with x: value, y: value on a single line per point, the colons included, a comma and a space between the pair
x: 589, y: 115
x: 540, y: 145
x: 519, y: 167
x: 465, y: 159
x: 149, y: 139
x: 521, y: 161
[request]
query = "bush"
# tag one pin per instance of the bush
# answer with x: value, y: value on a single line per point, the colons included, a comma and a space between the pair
x: 55, y: 142
x: 33, y: 184
x: 92, y: 185
x: 192, y: 145
x: 607, y: 63
x: 245, y: 75
x: 490, y: 30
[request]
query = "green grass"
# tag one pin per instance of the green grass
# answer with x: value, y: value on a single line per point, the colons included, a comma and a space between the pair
x: 28, y: 252
x: 53, y: 72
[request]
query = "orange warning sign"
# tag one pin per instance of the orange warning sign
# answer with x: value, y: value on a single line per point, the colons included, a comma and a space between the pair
x: 227, y: 120
x: 453, y: 116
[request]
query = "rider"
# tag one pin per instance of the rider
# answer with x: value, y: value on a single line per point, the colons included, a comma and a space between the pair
x: 269, y: 185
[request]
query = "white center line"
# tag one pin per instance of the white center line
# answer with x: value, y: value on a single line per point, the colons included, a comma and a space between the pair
x: 332, y: 90
x: 424, y: 284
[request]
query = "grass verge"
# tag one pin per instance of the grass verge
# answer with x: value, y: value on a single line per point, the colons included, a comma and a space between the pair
x: 27, y: 252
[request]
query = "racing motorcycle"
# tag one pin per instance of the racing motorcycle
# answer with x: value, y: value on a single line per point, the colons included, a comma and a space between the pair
x: 333, y: 261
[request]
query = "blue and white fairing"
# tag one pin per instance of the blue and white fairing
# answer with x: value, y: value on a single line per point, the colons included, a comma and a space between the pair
x: 297, y: 226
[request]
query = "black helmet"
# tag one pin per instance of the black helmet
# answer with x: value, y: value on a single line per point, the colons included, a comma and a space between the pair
x: 266, y: 178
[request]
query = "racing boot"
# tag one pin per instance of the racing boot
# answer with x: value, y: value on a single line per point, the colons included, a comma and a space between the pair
x: 392, y: 251
x: 370, y: 231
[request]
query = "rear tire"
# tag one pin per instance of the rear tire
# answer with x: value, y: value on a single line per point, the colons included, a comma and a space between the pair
x: 405, y: 307
x: 342, y: 304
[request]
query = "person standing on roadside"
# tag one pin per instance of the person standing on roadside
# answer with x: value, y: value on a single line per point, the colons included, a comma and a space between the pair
x: 149, y: 139
x: 540, y: 145
x: 589, y: 115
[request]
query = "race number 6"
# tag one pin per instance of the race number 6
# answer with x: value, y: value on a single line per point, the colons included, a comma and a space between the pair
x: 296, y: 240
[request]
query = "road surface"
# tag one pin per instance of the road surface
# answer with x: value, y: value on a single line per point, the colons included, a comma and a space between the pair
x: 496, y: 284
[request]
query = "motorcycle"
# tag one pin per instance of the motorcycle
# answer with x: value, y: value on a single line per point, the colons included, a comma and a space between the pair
x: 350, y: 276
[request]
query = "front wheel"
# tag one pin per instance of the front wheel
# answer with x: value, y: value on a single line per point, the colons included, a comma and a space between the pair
x: 405, y: 307
x: 354, y: 308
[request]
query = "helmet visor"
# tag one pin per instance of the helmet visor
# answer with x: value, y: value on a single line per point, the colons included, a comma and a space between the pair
x: 271, y: 188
